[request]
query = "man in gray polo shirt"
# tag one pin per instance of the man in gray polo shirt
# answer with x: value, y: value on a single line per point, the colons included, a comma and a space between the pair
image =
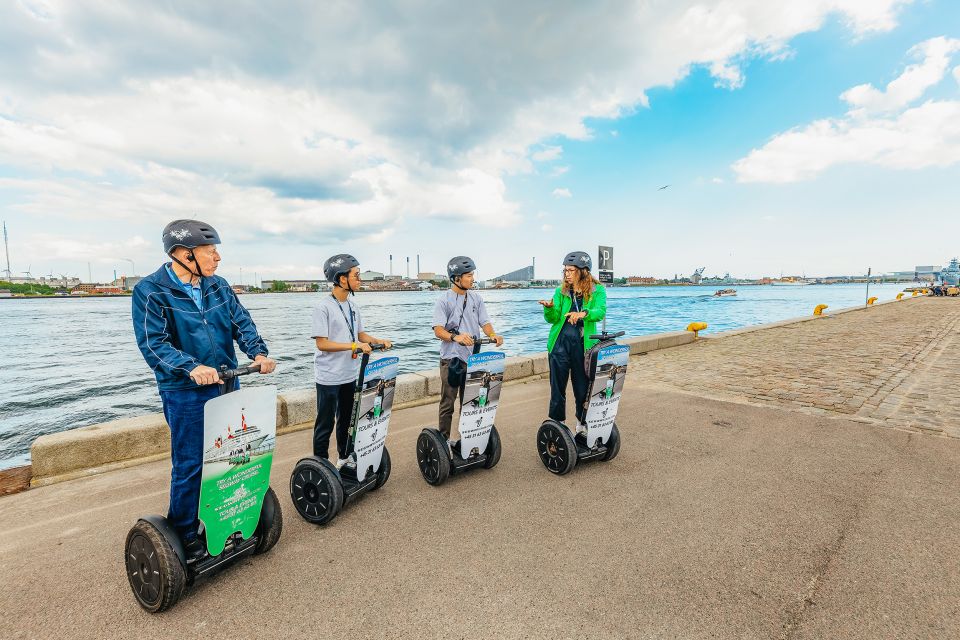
x: 338, y: 332
x: 458, y: 315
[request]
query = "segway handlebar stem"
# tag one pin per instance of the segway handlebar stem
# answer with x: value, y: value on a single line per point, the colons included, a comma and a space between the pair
x: 477, y: 340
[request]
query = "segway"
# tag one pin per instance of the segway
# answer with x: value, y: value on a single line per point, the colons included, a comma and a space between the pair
x: 318, y: 489
x: 239, y: 511
x: 606, y: 367
x: 479, y: 444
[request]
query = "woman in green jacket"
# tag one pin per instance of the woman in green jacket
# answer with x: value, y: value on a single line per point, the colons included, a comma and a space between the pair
x: 577, y: 305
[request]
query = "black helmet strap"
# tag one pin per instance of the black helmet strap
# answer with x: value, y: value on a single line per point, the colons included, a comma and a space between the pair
x: 198, y: 272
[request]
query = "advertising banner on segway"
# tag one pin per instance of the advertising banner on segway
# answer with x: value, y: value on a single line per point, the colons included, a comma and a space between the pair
x: 481, y: 395
x: 605, y: 391
x: 373, y: 415
x: 239, y: 436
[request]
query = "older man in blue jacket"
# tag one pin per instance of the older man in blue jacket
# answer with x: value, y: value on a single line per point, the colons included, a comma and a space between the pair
x: 186, y: 320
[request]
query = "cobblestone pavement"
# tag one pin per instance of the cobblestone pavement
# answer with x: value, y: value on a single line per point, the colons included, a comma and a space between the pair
x: 894, y: 364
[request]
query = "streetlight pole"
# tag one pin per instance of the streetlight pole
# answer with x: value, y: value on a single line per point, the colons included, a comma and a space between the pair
x: 867, y: 299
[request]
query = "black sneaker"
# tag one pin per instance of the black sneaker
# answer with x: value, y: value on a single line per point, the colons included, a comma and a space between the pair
x: 195, y: 550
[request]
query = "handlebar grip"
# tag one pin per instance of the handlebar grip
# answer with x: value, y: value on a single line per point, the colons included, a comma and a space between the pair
x: 607, y: 336
x: 230, y: 374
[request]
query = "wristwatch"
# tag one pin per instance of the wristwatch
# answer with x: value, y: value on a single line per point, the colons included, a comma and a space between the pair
x: 453, y: 334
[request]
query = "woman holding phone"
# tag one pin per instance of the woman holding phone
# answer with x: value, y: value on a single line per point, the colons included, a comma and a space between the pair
x: 577, y: 305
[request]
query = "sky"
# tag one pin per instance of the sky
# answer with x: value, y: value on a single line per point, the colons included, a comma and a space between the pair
x: 818, y: 137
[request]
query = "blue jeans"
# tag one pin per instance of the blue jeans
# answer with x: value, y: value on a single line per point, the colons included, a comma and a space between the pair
x: 183, y: 409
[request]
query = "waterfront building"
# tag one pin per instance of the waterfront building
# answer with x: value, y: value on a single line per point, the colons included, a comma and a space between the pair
x: 950, y: 275
x: 519, y: 277
x: 430, y: 276
x: 370, y: 276
x: 634, y: 281
x: 5, y: 293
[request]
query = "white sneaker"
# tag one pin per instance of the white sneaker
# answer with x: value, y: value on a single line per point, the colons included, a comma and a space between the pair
x: 342, y: 461
x: 581, y: 428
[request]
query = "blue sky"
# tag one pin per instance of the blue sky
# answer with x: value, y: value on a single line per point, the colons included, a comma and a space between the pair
x: 499, y: 133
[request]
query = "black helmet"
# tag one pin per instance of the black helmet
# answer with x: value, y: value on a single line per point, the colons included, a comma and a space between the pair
x: 189, y: 234
x: 339, y: 265
x: 459, y: 266
x: 578, y: 259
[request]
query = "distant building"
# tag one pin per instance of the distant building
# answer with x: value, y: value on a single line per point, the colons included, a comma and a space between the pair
x: 928, y: 273
x: 5, y: 293
x: 370, y: 276
x: 299, y: 285
x: 393, y: 278
x: 520, y: 276
x: 634, y: 281
x: 430, y: 276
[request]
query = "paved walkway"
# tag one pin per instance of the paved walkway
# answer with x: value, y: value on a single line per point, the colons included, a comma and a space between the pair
x: 895, y: 364
x: 719, y: 519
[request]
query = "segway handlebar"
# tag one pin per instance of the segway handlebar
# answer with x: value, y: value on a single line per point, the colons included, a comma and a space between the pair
x: 374, y: 346
x: 230, y: 374
x: 477, y: 340
x: 607, y: 336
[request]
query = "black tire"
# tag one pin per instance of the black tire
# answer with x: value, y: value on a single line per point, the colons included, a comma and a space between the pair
x: 558, y: 451
x: 316, y: 490
x: 383, y: 473
x: 613, y: 444
x: 153, y: 568
x: 493, y: 449
x: 433, y: 457
x: 270, y: 525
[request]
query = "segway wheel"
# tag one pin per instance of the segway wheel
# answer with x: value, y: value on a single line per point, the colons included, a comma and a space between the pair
x: 153, y: 568
x: 316, y: 490
x: 613, y: 444
x: 270, y: 525
x: 433, y: 457
x: 383, y: 473
x: 556, y: 447
x: 493, y: 449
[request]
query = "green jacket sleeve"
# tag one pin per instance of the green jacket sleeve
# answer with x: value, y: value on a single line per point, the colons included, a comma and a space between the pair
x: 552, y: 314
x: 597, y: 308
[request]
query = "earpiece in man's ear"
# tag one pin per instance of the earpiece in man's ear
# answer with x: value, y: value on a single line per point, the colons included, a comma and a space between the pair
x: 190, y: 257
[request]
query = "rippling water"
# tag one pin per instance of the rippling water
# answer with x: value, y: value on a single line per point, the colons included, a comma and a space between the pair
x: 73, y: 362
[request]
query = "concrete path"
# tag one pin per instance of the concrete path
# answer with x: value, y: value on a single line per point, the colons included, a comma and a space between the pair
x: 894, y: 364
x: 717, y: 520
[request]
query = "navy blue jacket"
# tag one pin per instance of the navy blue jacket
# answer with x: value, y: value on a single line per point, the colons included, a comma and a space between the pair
x: 174, y: 336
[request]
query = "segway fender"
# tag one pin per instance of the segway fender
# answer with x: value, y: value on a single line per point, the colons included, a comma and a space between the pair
x: 166, y: 530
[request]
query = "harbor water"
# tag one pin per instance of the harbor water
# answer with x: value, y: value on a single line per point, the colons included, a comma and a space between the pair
x: 73, y: 362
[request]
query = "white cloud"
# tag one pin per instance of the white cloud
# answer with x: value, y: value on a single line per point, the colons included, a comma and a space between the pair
x: 280, y: 118
x: 562, y: 193
x: 546, y: 227
x: 881, y: 129
x: 716, y: 180
x: 547, y: 153
x: 910, y: 85
x: 559, y: 171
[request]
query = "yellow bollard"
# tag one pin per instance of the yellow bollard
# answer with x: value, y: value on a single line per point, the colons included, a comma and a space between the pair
x: 696, y: 327
x: 926, y: 292
x: 871, y: 300
x: 915, y: 294
x: 900, y: 296
x: 818, y: 311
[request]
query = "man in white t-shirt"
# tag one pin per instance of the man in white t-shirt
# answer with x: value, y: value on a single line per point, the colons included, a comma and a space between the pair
x: 458, y: 315
x: 338, y: 332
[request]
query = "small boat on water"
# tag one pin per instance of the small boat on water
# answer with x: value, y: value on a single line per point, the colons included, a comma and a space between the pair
x: 724, y: 293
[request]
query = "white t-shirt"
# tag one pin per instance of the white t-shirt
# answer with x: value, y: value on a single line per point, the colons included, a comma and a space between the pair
x: 332, y: 319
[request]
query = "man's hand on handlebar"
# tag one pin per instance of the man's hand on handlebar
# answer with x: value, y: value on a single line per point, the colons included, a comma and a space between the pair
x: 364, y: 347
x: 464, y: 339
x: 267, y: 365
x: 204, y: 375
x: 498, y: 339
x: 387, y: 344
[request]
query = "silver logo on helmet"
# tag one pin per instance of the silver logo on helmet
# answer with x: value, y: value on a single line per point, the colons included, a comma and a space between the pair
x: 337, y: 262
x: 584, y: 259
x: 180, y: 234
